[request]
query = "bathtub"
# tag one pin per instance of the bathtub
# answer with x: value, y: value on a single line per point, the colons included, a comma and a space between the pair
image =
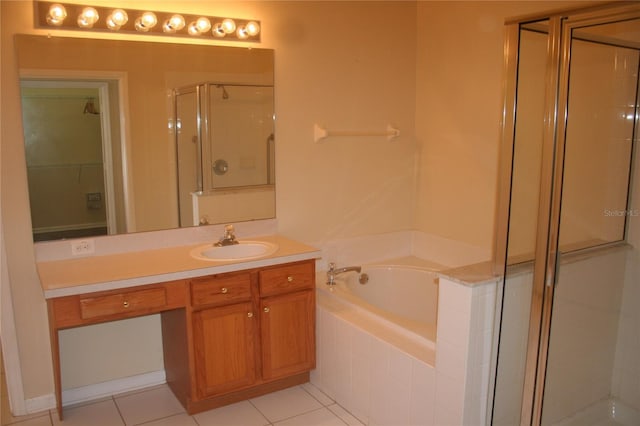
x: 376, y: 342
x: 402, y: 297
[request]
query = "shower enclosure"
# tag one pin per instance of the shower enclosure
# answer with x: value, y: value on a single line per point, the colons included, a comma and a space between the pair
x: 569, y: 221
x: 225, y: 152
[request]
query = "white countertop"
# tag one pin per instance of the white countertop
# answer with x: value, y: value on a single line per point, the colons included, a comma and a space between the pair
x: 115, y: 271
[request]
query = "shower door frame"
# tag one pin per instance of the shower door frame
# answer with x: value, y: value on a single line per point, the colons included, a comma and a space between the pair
x: 561, y: 25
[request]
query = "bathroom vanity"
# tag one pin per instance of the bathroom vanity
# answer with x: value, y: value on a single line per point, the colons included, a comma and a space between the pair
x: 231, y: 329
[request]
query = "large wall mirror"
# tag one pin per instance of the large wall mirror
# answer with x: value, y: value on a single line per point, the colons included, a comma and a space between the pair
x: 128, y: 136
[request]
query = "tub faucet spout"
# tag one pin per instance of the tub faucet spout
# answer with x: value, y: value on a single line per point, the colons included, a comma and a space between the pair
x: 333, y: 271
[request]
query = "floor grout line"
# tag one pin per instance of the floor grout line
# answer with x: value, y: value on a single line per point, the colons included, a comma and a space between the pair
x: 113, y: 399
x: 311, y: 390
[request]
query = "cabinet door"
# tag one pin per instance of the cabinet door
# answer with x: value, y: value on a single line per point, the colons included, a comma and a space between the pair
x: 288, y: 334
x: 224, y: 348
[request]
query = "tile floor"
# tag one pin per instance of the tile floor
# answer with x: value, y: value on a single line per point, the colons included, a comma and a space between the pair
x: 303, y: 405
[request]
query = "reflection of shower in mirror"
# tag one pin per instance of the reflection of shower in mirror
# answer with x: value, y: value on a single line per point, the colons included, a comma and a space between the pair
x: 90, y: 107
x: 225, y: 94
x: 240, y: 130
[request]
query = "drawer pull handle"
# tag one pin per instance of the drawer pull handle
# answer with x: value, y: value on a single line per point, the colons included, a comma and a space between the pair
x: 126, y: 304
x: 266, y: 310
x: 224, y: 290
x: 250, y: 314
x: 290, y: 278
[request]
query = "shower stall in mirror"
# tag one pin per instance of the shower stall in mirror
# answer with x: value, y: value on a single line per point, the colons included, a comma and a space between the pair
x: 225, y: 148
x: 569, y: 210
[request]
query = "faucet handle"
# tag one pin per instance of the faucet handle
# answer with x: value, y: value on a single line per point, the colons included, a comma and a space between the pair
x: 332, y: 266
x: 229, y: 232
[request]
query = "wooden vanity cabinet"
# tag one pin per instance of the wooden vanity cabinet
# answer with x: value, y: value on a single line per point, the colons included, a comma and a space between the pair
x: 224, y: 348
x: 247, y: 333
x: 287, y: 326
x: 224, y: 333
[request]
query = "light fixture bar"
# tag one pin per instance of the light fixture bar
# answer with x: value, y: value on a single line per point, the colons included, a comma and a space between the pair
x: 82, y: 17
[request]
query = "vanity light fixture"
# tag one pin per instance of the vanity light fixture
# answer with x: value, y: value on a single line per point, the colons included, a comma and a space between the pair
x: 97, y: 18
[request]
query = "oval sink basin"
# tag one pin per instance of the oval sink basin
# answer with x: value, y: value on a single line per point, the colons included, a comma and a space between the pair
x: 245, y: 250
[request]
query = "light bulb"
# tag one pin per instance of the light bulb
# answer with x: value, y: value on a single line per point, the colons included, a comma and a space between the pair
x: 176, y: 22
x: 139, y: 26
x: 193, y: 30
x: 218, y: 31
x: 242, y: 33
x: 116, y: 19
x: 56, y: 14
x: 203, y: 24
x: 228, y: 25
x: 253, y: 28
x: 167, y: 28
x: 119, y: 17
x: 110, y: 24
x: 148, y: 19
x: 88, y: 17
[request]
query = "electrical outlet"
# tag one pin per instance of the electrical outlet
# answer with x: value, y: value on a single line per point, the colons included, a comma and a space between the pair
x: 81, y: 247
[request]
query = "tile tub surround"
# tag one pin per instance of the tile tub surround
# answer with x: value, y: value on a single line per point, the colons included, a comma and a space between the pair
x: 382, y: 378
x: 381, y: 247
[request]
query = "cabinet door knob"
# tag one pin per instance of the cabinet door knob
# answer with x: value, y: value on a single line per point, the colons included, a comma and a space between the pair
x: 125, y: 304
x: 266, y: 310
x: 290, y: 278
x: 224, y: 290
x: 250, y: 314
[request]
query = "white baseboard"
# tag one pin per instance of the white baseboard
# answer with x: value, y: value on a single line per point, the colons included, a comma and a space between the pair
x: 112, y: 387
x: 96, y: 391
x: 38, y: 404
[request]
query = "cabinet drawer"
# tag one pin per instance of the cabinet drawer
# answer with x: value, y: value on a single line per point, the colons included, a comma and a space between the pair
x: 287, y: 278
x: 221, y: 289
x: 122, y: 303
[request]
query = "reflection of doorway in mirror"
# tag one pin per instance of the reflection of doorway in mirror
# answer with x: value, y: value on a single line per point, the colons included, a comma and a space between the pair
x: 68, y: 150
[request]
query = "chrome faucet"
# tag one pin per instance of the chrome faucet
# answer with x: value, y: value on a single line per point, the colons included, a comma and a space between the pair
x: 332, y: 272
x: 228, y: 239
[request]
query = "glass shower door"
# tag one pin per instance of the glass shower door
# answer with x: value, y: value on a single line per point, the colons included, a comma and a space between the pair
x: 525, y: 178
x: 591, y: 372
x: 187, y: 134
